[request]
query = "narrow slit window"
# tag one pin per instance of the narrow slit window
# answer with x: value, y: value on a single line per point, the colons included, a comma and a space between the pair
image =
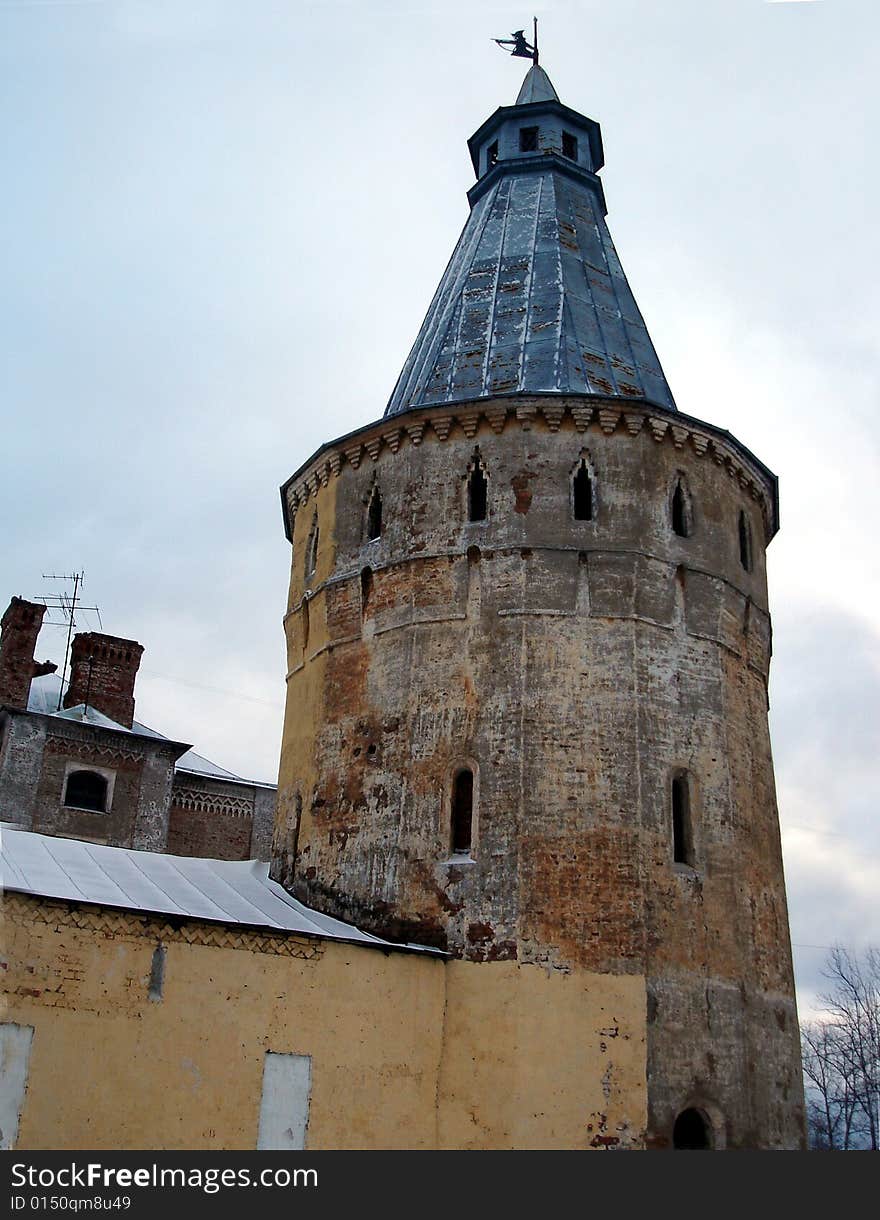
x: 477, y: 491
x: 682, y: 836
x: 492, y: 155
x: 312, y: 551
x: 745, y: 542
x: 569, y: 146
x: 462, y: 811
x: 86, y: 790
x: 528, y: 139
x: 582, y: 493
x: 374, y: 516
x: 681, y: 516
x: 305, y: 623
x: 157, y: 974
x: 366, y: 589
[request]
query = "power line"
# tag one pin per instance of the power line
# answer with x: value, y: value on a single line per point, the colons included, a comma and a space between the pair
x: 217, y: 690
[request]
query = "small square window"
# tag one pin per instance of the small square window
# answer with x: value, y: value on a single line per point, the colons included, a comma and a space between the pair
x: 528, y: 139
x: 569, y: 146
x: 86, y: 790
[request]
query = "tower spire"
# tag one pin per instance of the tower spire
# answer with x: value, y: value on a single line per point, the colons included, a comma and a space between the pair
x: 534, y: 299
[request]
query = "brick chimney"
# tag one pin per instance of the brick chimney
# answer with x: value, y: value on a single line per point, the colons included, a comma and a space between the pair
x: 102, y: 672
x: 20, y: 627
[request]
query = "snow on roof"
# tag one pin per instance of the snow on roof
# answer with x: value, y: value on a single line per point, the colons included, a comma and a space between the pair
x: 44, y: 693
x: 43, y: 698
x: 223, y: 891
x: 91, y: 715
x: 195, y: 763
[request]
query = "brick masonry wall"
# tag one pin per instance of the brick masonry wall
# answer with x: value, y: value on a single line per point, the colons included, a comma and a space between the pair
x: 141, y: 770
x: 21, y: 624
x: 103, y: 669
x: 210, y: 818
x: 203, y: 833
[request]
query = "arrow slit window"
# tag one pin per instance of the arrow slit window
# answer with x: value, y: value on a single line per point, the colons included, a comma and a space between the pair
x: 312, y: 550
x: 462, y: 812
x: 477, y: 489
x: 374, y: 515
x: 582, y: 492
x: 681, y: 509
x: 745, y: 542
x: 682, y: 829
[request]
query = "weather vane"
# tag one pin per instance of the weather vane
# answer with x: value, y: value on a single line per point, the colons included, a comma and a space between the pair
x: 517, y: 41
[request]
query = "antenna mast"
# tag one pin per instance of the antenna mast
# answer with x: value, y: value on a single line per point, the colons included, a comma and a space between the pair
x: 68, y: 604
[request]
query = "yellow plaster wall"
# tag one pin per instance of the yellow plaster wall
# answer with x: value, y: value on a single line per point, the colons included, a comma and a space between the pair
x: 536, y: 1058
x: 408, y: 1051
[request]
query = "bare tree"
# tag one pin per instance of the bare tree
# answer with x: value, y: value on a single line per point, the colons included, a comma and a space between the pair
x: 831, y: 1104
x: 854, y: 1005
x: 841, y: 1055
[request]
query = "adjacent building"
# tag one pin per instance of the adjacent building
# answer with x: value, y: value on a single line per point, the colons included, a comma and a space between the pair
x: 76, y: 763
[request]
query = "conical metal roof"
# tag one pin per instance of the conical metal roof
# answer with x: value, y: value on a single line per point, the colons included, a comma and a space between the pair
x: 537, y: 87
x: 534, y: 299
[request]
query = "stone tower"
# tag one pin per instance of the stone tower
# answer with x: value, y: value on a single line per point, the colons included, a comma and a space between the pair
x: 528, y: 648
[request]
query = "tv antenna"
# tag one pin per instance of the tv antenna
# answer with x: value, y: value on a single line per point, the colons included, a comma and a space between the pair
x: 66, y: 603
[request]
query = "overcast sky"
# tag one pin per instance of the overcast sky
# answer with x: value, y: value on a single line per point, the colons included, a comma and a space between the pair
x: 225, y: 220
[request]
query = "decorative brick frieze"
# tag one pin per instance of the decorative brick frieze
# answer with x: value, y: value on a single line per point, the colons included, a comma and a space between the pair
x: 549, y: 413
x: 212, y: 802
x: 25, y: 910
x: 87, y: 748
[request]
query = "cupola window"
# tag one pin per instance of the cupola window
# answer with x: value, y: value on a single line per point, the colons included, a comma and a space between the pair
x: 528, y: 139
x: 492, y: 155
x: 569, y: 146
x: 86, y: 790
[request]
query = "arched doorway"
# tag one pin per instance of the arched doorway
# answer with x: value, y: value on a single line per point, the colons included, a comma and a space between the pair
x: 692, y: 1131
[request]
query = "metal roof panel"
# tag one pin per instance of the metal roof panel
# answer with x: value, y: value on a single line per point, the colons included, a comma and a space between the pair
x: 235, y: 892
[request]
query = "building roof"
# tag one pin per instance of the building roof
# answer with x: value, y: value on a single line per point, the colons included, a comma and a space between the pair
x: 235, y: 892
x: 43, y: 698
x: 90, y: 715
x: 534, y: 299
